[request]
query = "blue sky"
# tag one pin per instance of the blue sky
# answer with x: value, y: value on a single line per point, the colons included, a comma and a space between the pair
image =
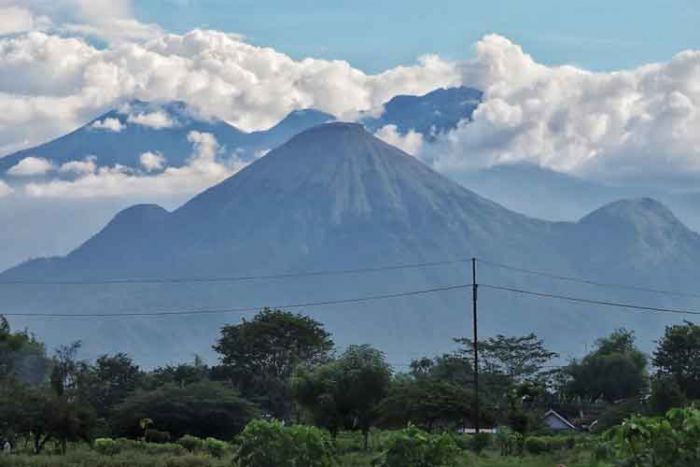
x: 378, y: 34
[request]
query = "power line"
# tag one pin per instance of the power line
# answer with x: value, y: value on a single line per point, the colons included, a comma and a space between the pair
x: 366, y: 298
x: 588, y: 281
x: 177, y: 280
x: 592, y: 301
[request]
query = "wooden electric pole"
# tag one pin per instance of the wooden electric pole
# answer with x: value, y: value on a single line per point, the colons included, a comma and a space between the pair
x: 476, y: 348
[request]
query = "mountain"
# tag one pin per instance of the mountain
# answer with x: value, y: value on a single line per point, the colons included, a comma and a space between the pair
x: 546, y: 194
x: 121, y: 135
x: 436, y: 112
x: 335, y: 198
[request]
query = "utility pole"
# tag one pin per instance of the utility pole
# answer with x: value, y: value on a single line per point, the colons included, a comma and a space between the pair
x: 476, y: 348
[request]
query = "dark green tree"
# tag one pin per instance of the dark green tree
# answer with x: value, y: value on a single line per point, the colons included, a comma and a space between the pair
x: 345, y: 392
x: 427, y: 403
x: 201, y: 409
x: 260, y: 355
x: 678, y: 357
x: 615, y: 370
x: 22, y: 357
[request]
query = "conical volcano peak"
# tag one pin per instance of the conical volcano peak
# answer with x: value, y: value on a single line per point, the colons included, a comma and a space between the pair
x: 334, y: 129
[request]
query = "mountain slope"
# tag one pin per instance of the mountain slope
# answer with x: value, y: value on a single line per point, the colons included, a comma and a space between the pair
x: 436, y: 112
x: 335, y: 197
x: 120, y: 136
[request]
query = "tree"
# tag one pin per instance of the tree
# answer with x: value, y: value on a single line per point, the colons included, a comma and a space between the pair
x: 345, y: 392
x: 678, y: 357
x: 181, y: 375
x: 615, y: 370
x: 260, y: 355
x: 22, y: 357
x: 519, y: 358
x: 426, y: 403
x: 201, y: 409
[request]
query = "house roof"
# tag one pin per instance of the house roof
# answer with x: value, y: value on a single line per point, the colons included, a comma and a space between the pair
x: 560, y: 417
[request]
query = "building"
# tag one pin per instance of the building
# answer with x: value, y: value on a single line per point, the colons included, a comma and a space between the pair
x: 557, y: 422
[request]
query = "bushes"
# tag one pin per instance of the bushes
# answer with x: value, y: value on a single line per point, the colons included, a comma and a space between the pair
x: 669, y: 441
x: 272, y: 444
x: 215, y: 447
x: 191, y: 443
x: 479, y: 441
x: 413, y: 447
x: 542, y: 444
x: 106, y: 446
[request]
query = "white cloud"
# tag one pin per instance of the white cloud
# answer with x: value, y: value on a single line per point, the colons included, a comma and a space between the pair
x: 15, y: 19
x: 411, y: 142
x: 109, y: 124
x: 112, y: 20
x: 5, y: 189
x: 84, y: 167
x: 31, y: 166
x: 638, y: 123
x: 201, y: 171
x: 152, y: 161
x: 217, y: 74
x: 157, y: 120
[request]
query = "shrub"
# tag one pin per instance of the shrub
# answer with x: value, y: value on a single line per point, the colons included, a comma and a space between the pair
x: 156, y: 436
x: 215, y: 447
x: 272, y: 444
x: 479, y: 441
x: 191, y: 443
x: 669, y: 441
x: 537, y: 445
x: 412, y: 447
x: 509, y: 442
x: 106, y: 446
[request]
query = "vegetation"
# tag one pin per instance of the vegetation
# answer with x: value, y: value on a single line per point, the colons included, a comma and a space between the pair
x: 281, y: 396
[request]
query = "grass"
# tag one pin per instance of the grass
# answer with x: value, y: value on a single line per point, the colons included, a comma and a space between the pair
x: 349, y: 447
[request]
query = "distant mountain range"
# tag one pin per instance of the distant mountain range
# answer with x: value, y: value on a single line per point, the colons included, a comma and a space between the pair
x: 122, y: 135
x: 335, y: 197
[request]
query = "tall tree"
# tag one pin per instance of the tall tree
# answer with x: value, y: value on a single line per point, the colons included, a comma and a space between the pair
x: 345, y: 392
x: 678, y: 357
x: 260, y: 355
x: 520, y: 358
x: 614, y: 370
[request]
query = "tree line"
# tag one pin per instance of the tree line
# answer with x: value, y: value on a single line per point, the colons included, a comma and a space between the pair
x: 285, y: 366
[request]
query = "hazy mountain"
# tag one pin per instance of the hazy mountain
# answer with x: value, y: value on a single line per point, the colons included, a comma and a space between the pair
x: 335, y: 197
x: 436, y: 112
x: 121, y: 135
x: 551, y: 195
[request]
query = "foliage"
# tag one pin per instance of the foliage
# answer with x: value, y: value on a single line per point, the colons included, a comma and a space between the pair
x: 615, y: 370
x: 509, y: 442
x: 106, y: 446
x: 216, y: 447
x: 201, y: 409
x: 191, y: 443
x: 412, y: 447
x: 260, y: 355
x: 666, y: 394
x: 345, y: 392
x: 22, y: 357
x: 678, y: 357
x: 479, y: 441
x: 519, y: 358
x: 669, y: 441
x: 426, y: 403
x: 272, y: 444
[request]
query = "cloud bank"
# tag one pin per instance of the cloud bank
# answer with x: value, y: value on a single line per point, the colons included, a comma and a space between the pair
x: 218, y: 75
x: 623, y: 125
x: 632, y: 124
